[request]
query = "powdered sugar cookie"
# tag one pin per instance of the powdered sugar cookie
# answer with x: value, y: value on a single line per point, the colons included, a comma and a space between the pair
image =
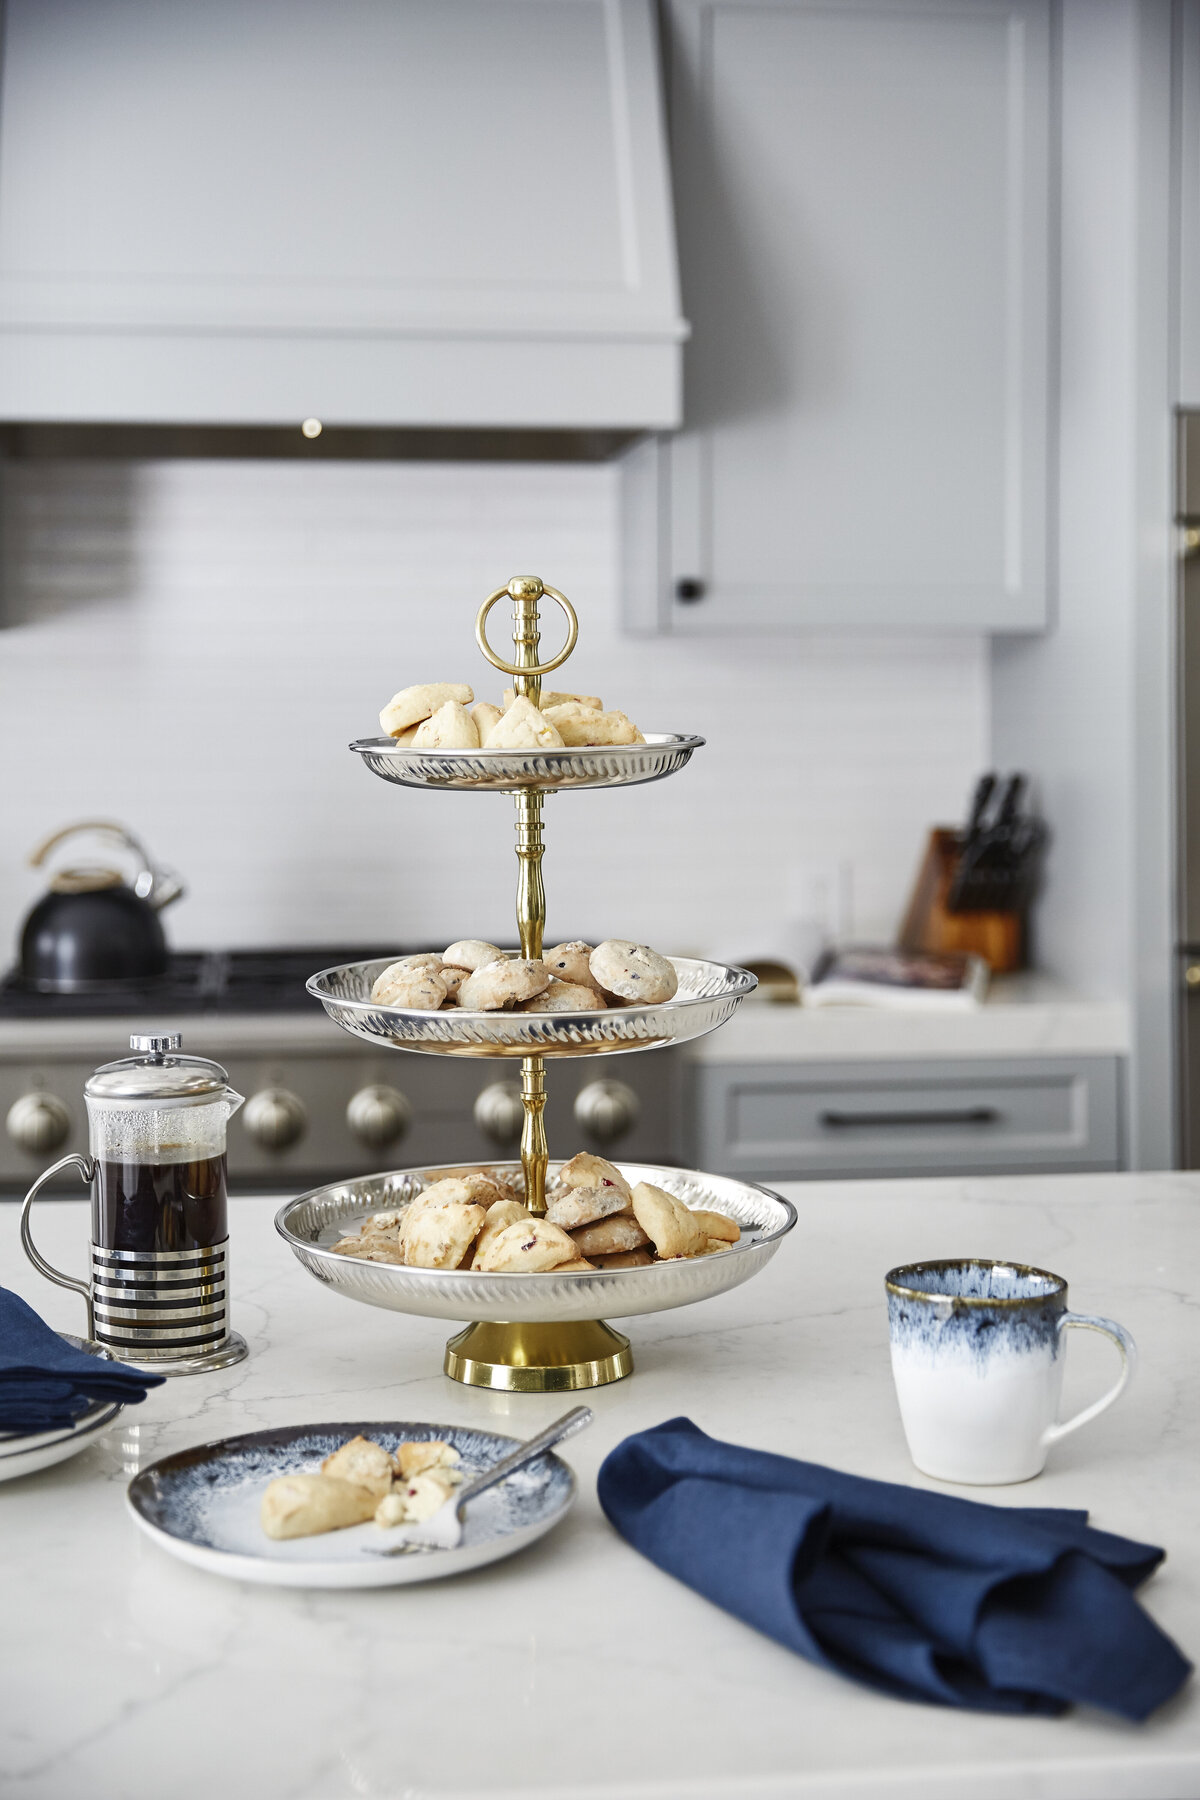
x: 571, y: 962
x: 584, y: 1206
x: 417, y: 990
x: 633, y: 972
x: 451, y: 727
x: 452, y: 980
x: 523, y: 728
x: 499, y: 1217
x: 503, y: 983
x: 471, y: 954
x: 587, y: 1170
x: 564, y: 996
x: 412, y: 704
x: 529, y: 1247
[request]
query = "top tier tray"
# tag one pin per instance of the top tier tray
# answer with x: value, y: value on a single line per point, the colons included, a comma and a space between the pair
x: 510, y: 771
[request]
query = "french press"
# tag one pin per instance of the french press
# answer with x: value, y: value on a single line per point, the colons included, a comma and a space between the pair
x: 159, y: 1291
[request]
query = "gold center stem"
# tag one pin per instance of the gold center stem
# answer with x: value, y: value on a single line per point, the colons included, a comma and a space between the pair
x: 531, y: 911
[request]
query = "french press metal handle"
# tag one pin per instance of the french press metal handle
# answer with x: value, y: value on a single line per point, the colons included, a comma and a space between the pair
x: 86, y: 1166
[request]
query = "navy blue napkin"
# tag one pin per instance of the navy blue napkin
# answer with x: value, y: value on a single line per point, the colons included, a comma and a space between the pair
x: 923, y: 1595
x: 45, y: 1382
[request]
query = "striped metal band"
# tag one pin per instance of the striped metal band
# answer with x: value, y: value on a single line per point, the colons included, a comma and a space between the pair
x: 202, y: 1253
x: 160, y: 1303
x: 161, y: 1316
x: 148, y: 1349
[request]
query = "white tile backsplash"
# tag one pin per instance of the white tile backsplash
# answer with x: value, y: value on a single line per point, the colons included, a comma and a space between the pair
x: 189, y: 646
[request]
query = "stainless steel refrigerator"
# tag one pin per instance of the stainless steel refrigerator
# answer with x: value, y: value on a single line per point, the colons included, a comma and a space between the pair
x: 1188, y: 963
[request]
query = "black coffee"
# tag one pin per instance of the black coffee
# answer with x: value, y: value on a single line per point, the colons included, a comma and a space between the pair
x: 161, y: 1206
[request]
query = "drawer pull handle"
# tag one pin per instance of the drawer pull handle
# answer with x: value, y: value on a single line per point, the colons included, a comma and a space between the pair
x: 964, y: 1115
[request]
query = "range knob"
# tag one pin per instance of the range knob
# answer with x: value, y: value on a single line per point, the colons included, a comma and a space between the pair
x: 38, y: 1123
x: 499, y: 1113
x: 378, y: 1115
x: 606, y: 1110
x: 275, y: 1118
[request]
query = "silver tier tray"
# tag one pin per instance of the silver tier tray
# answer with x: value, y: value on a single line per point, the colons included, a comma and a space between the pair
x: 607, y: 766
x: 310, y: 1224
x: 708, y: 994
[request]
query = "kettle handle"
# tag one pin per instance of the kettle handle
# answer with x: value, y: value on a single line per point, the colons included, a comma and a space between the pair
x: 158, y: 886
x: 87, y: 1169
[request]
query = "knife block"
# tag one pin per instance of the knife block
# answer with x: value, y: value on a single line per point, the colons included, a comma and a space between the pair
x: 999, y: 937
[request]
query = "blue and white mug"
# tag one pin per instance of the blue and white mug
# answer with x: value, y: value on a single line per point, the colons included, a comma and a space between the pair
x: 978, y: 1349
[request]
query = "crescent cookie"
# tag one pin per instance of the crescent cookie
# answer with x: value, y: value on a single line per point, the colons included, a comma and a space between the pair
x: 419, y: 1458
x: 608, y: 1237
x: 584, y: 725
x: 440, y: 1236
x: 531, y: 1247
x: 572, y: 962
x: 499, y: 1217
x: 362, y: 1461
x: 419, y: 990
x: 303, y: 1505
x: 718, y: 1225
x: 485, y: 716
x: 523, y: 728
x: 472, y: 954
x: 667, y: 1222
x: 626, y: 1259
x: 586, y: 1170
x: 563, y: 996
x: 552, y: 699
x: 633, y: 972
x: 452, y: 980
x: 412, y: 704
x: 503, y: 983
x: 451, y: 727
x: 584, y: 1206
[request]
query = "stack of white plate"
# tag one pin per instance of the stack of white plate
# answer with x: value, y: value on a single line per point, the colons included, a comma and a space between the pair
x: 23, y: 1453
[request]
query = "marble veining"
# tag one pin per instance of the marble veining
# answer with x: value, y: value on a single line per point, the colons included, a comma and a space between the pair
x: 577, y: 1671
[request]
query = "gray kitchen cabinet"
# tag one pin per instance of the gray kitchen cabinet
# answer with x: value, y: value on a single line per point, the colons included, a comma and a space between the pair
x: 1188, y: 310
x: 435, y: 213
x: 788, y: 1121
x: 862, y: 205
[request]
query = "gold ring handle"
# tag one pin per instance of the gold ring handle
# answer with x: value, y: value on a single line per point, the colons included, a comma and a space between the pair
x: 505, y: 593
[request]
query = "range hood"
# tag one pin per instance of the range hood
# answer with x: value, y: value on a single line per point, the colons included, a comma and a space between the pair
x: 396, y: 216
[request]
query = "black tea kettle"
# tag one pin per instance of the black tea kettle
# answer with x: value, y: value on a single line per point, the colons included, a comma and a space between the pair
x: 92, y: 930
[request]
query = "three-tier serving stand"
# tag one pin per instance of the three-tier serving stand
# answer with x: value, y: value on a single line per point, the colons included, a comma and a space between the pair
x: 533, y: 1333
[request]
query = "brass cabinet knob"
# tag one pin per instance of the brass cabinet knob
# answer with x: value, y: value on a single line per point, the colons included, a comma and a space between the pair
x: 38, y: 1123
x: 1191, y: 975
x: 499, y: 1113
x: 378, y: 1115
x: 607, y: 1110
x: 275, y: 1118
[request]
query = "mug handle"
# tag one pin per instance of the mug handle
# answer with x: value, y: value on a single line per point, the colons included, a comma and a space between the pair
x: 1125, y: 1344
x: 87, y: 1170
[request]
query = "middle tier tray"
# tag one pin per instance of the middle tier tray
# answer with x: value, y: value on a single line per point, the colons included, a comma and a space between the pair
x: 707, y: 996
x: 508, y: 771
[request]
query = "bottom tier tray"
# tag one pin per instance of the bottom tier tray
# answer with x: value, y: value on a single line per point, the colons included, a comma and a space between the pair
x: 533, y: 1333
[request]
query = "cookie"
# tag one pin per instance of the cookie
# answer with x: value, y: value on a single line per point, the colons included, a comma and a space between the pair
x: 577, y: 1266
x: 717, y: 1225
x: 452, y: 980
x: 563, y: 996
x: 586, y: 725
x: 584, y: 1206
x: 633, y: 972
x: 523, y: 728
x: 586, y: 1170
x: 531, y: 1246
x: 667, y: 1222
x: 451, y: 727
x: 626, y: 1259
x: 609, y: 1236
x: 420, y: 1458
x: 362, y: 1461
x: 412, y: 1501
x: 439, y: 1237
x: 550, y: 698
x: 571, y: 962
x: 417, y: 990
x: 485, y: 716
x: 499, y: 1217
x: 503, y: 983
x: 303, y: 1505
x: 368, y: 1251
x: 471, y: 954
x: 412, y: 704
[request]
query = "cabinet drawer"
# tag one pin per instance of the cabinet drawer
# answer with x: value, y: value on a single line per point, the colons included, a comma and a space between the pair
x: 781, y: 1121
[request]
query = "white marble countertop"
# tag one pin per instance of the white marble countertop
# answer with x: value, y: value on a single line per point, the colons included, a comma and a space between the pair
x: 578, y: 1671
x: 1023, y: 1015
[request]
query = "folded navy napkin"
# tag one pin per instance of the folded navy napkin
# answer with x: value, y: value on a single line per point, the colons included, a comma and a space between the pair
x: 46, y: 1382
x: 923, y: 1595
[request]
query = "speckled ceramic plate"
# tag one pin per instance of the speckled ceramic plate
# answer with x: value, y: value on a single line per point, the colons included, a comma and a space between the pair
x: 202, y: 1505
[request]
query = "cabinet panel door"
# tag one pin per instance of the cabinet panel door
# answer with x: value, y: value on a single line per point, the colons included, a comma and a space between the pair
x: 862, y: 199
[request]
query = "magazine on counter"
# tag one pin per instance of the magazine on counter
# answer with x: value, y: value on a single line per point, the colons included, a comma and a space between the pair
x: 904, y: 980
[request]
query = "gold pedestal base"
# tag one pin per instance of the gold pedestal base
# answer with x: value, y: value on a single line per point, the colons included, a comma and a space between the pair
x: 539, y: 1359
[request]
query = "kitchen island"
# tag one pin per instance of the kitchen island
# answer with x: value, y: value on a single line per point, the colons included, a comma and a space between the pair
x: 578, y: 1670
